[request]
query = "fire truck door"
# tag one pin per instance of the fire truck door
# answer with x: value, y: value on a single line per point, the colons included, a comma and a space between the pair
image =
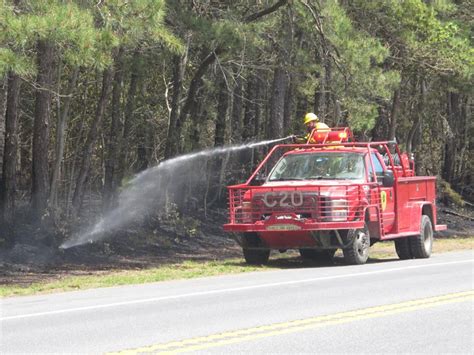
x: 387, y: 198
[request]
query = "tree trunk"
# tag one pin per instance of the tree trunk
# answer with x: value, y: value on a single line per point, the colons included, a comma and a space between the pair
x: 250, y: 109
x: 172, y: 139
x: 463, y: 155
x: 414, y: 134
x: 288, y: 106
x: 90, y: 142
x: 320, y: 94
x: 339, y: 121
x: 257, y: 126
x: 394, y: 114
x: 195, y: 132
x: 3, y: 106
x: 266, y: 108
x: 320, y: 97
x: 301, y: 109
x: 195, y: 83
x: 61, y: 128
x: 215, y: 164
x: 277, y: 104
x: 222, y: 104
x: 8, y: 180
x: 113, y: 154
x: 40, y: 175
x: 173, y: 144
x: 453, y: 113
x: 144, y: 141
x: 329, y: 94
x: 143, y: 145
x: 80, y: 134
x: 236, y: 116
x: 382, y: 123
x: 129, y: 118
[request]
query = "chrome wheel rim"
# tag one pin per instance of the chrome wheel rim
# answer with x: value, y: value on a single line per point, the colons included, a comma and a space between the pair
x: 428, y: 237
x: 362, y: 243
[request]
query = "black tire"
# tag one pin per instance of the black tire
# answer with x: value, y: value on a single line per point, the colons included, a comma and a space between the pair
x: 403, y: 248
x: 325, y: 255
x: 422, y: 244
x: 357, y: 252
x: 256, y: 256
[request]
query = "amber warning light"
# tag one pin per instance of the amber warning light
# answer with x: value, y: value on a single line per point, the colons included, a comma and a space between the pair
x: 332, y: 135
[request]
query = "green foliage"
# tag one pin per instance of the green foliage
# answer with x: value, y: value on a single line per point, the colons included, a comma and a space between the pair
x: 357, y: 60
x: 209, y: 32
x: 425, y: 34
x: 83, y: 36
x: 70, y: 28
x: 9, y: 60
x: 363, y: 77
x: 138, y: 23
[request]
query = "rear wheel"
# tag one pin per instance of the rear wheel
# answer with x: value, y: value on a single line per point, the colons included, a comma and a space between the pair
x: 357, y: 252
x: 325, y: 255
x: 422, y: 244
x: 256, y: 256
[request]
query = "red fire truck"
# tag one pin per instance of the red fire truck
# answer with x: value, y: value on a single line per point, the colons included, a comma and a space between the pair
x: 334, y: 194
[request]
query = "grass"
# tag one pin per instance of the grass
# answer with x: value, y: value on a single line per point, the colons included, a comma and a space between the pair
x: 443, y: 245
x: 184, y: 270
x: 195, y: 269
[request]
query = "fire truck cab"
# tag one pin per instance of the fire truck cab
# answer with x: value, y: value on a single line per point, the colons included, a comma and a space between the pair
x: 335, y: 194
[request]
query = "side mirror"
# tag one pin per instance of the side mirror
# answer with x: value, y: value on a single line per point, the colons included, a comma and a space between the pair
x: 388, y: 179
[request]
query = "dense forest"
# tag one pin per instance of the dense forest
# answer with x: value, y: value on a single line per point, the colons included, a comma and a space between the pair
x: 94, y: 92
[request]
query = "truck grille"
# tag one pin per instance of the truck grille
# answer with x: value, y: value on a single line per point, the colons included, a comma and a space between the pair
x: 322, y: 204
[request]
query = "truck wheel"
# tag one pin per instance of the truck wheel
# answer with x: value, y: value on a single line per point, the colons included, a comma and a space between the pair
x: 325, y: 256
x: 422, y: 244
x: 357, y: 252
x: 256, y: 256
x: 403, y: 248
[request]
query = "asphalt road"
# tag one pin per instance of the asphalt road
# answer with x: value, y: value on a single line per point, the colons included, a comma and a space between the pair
x: 412, y: 306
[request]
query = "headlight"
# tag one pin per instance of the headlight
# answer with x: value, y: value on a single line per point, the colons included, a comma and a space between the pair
x: 247, y: 212
x: 339, y: 210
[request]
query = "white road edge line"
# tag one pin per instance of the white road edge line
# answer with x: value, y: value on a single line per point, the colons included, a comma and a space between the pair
x: 226, y: 290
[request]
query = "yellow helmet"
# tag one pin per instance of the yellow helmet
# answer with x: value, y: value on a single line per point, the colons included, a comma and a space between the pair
x: 310, y: 117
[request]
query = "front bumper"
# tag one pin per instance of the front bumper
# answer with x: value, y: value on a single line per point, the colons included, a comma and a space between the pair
x: 291, y: 225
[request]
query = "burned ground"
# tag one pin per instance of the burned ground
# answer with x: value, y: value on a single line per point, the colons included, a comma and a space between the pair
x: 36, y: 256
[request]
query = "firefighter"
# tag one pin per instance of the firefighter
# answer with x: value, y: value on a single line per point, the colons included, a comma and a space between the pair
x: 311, y: 121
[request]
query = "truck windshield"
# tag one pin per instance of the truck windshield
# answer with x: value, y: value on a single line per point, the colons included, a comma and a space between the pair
x: 323, y: 165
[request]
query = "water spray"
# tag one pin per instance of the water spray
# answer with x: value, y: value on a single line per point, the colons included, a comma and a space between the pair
x: 144, y: 190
